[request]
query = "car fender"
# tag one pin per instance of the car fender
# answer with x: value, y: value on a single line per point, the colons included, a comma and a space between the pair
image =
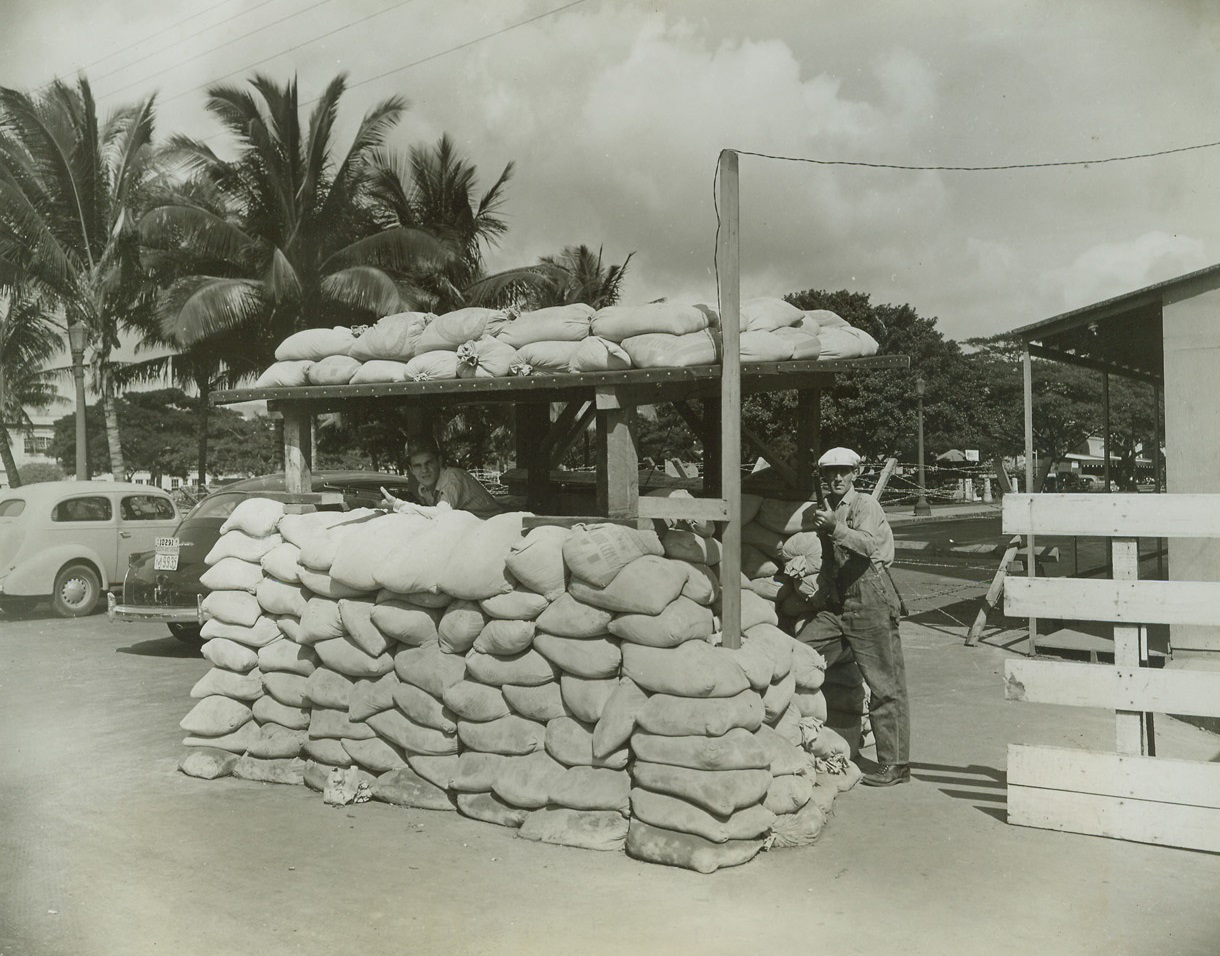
x: 35, y: 576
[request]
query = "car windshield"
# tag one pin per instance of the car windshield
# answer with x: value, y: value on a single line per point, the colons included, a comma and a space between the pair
x: 217, y: 506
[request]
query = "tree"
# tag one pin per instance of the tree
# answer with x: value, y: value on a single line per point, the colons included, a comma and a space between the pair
x: 71, y: 190
x: 576, y: 274
x: 288, y: 228
x: 28, y: 343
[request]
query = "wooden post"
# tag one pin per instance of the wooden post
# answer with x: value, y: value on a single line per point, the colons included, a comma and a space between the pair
x: 709, y: 437
x: 1128, y: 724
x: 297, y: 473
x: 883, y: 479
x: 1105, y: 419
x: 808, y: 436
x: 1156, y: 470
x: 1030, y: 562
x: 618, y: 472
x: 728, y: 255
x: 532, y: 421
x: 993, y: 593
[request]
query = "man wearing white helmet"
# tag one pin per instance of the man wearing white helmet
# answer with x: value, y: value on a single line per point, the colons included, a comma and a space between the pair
x: 862, y: 623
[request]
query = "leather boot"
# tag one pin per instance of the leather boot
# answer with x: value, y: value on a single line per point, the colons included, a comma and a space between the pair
x: 887, y: 775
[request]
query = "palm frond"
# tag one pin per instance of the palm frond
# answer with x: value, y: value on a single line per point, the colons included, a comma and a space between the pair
x: 399, y: 248
x: 203, y: 232
x: 365, y: 288
x: 197, y: 308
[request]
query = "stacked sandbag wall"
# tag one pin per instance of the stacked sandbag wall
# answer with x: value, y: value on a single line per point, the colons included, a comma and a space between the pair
x: 547, y: 681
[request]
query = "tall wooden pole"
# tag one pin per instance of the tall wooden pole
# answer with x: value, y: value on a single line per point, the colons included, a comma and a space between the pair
x: 728, y: 254
x: 1030, y: 565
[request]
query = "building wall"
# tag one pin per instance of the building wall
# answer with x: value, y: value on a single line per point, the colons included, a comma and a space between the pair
x: 1192, y: 442
x: 33, y: 446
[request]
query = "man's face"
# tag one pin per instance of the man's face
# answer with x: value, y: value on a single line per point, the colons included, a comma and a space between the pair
x: 425, y: 468
x: 839, y: 479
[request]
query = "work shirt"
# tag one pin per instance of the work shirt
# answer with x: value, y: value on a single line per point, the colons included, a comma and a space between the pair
x: 862, y: 529
x: 461, y: 491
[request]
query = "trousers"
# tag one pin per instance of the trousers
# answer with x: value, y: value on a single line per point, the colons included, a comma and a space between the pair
x: 864, y: 627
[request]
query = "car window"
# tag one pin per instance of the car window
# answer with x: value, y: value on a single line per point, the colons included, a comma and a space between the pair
x: 218, y: 506
x: 146, y: 508
x: 93, y: 508
x: 11, y: 507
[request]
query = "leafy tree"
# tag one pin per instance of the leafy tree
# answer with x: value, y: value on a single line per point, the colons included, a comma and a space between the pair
x: 28, y: 343
x: 71, y: 192
x: 288, y: 226
x: 37, y: 471
x: 576, y: 274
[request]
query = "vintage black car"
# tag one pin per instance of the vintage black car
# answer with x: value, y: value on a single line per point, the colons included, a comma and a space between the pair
x: 163, y: 585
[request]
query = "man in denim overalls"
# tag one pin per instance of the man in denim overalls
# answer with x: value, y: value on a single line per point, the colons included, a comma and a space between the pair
x: 862, y: 622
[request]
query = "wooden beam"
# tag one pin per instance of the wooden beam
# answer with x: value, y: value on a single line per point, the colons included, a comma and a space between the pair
x: 1027, y: 374
x: 618, y: 470
x: 993, y: 593
x: 786, y: 472
x: 1110, y: 516
x: 808, y: 436
x: 1193, y: 693
x: 1067, y: 358
x: 560, y: 447
x: 1129, y: 725
x: 883, y: 479
x: 1144, y: 799
x: 683, y: 509
x: 1119, y: 602
x: 297, y: 473
x: 728, y: 254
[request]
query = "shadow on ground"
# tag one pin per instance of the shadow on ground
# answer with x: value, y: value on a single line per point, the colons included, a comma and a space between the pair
x: 972, y: 783
x: 161, y: 647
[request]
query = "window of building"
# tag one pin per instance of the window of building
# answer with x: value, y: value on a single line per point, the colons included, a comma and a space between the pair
x: 175, y: 484
x: 37, y: 444
x: 94, y: 508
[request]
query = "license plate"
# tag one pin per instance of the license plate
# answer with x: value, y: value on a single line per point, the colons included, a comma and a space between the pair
x: 166, y: 556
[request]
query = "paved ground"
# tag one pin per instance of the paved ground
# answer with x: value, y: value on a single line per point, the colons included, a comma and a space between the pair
x: 106, y: 849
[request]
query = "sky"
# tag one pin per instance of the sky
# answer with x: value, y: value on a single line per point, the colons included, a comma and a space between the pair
x: 615, y: 112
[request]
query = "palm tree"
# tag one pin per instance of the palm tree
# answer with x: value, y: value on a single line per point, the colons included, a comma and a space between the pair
x: 576, y: 274
x: 70, y: 193
x: 284, y: 233
x: 28, y: 343
x: 435, y: 190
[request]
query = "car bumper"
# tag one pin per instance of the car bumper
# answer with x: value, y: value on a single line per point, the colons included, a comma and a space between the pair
x: 165, y: 615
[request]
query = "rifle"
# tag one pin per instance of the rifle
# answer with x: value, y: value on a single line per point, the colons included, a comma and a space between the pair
x: 819, y: 495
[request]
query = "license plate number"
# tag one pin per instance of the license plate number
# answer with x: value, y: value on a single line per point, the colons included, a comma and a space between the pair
x: 165, y: 562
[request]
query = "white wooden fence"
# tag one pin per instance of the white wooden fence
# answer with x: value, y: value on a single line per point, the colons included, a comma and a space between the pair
x: 1126, y: 794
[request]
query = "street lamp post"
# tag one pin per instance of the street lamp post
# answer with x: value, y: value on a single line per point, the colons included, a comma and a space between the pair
x: 76, y: 343
x: 922, y: 508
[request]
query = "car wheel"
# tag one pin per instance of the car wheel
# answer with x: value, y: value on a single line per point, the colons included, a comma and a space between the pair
x: 77, y: 591
x: 187, y: 633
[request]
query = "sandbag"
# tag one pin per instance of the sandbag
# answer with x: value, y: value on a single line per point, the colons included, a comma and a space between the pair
x: 515, y: 605
x: 434, y: 366
x: 276, y: 742
x: 672, y: 716
x: 268, y: 710
x: 586, y: 697
x: 375, y: 371
x: 767, y: 313
x: 231, y: 655
x: 329, y: 722
x: 562, y: 323
x: 292, y: 374
x: 321, y: 621
x: 279, y: 597
x: 216, y: 716
x: 809, y: 667
x: 777, y: 698
x: 341, y: 654
x: 328, y: 688
x: 618, y: 322
x: 437, y: 771
x: 486, y: 357
x: 262, y: 632
x: 226, y: 683
x: 405, y: 788
x: 490, y: 809
x: 525, y: 781
x: 207, y: 763
x: 702, y: 586
x: 315, y: 344
x: 775, y: 643
x: 299, y: 529
x: 473, y: 701
x: 428, y: 668
x: 786, y: 517
x: 368, y: 697
x: 591, y: 788
x: 392, y: 337
x: 585, y: 829
x: 658, y: 845
x: 567, y: 617
x: 231, y: 607
x: 528, y: 668
x: 843, y: 780
x: 288, y: 770
x: 545, y: 358
x: 505, y: 735
x: 693, y: 669
x: 429, y: 599
x: 238, y: 741
x: 424, y: 709
x: 596, y: 553
x: 459, y: 626
x: 597, y: 354
x: 789, y: 726
x: 283, y: 563
x: 739, y: 749
x: 536, y: 561
x: 785, y: 757
x: 660, y: 350
x: 406, y: 623
x: 618, y: 717
x: 679, y: 621
x: 542, y: 702
x: 332, y: 370
x: 323, y: 585
x: 476, y: 772
x: 594, y: 657
x: 420, y: 566
x: 684, y: 545
x: 757, y: 564
x: 571, y: 743
x: 361, y: 631
x: 755, y: 662
x: 823, y: 319
x: 719, y: 791
x: 806, y: 345
x: 846, y: 343
x: 413, y: 738
x: 756, y: 610
x: 238, y: 544
x: 798, y: 829
x: 327, y: 750
x: 645, y: 586
x: 289, y: 689
x: 446, y: 332
x: 769, y: 542
x: 673, y: 813
x: 257, y: 517
x: 504, y: 637
x: 376, y: 754
x: 319, y: 776
x: 811, y: 704
x: 788, y: 794
x: 232, y: 574
x: 762, y: 345
x: 360, y: 549
x: 766, y: 588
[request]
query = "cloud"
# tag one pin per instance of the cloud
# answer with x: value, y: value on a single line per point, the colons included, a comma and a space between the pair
x: 1112, y: 268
